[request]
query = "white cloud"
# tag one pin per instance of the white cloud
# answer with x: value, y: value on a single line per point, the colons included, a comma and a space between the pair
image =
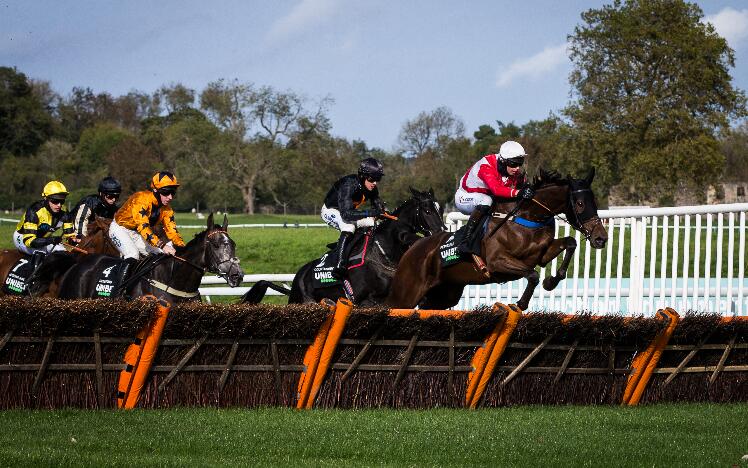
x: 730, y: 24
x: 533, y: 67
x: 303, y: 17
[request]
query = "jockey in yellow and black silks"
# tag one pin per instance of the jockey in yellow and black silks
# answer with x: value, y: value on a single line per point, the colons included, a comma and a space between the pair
x: 132, y: 228
x: 45, y: 225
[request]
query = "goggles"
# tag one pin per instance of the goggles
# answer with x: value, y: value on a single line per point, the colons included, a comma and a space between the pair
x: 56, y: 201
x: 112, y: 196
x: 514, y: 162
x: 166, y: 191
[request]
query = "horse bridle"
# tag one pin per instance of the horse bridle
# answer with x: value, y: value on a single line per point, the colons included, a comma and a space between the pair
x: 419, y: 226
x: 577, y: 222
x: 217, y: 264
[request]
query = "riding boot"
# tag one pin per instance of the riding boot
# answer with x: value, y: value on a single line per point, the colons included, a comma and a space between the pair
x: 122, y: 274
x: 341, y: 266
x: 36, y: 260
x: 472, y: 228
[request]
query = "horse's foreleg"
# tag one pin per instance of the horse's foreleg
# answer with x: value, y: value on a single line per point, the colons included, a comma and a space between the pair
x: 567, y: 244
x: 532, y: 281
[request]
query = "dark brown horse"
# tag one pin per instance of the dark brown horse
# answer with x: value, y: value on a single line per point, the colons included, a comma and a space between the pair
x: 511, y: 252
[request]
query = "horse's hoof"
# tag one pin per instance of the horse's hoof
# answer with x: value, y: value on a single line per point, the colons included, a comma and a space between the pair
x: 549, y: 284
x: 523, y: 305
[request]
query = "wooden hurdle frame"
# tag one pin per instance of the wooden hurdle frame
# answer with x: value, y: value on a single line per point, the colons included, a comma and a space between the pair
x: 319, y: 357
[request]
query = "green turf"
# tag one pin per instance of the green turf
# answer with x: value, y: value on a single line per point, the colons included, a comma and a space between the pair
x: 661, y: 435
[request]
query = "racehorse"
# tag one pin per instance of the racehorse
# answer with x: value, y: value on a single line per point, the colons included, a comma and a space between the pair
x: 511, y: 250
x: 384, y: 245
x: 46, y: 278
x: 172, y: 278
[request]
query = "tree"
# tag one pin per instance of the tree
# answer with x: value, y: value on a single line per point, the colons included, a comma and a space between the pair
x: 176, y: 97
x: 735, y: 148
x: 430, y: 129
x: 25, y: 123
x: 649, y: 77
x: 256, y: 123
x: 93, y: 150
x: 132, y: 163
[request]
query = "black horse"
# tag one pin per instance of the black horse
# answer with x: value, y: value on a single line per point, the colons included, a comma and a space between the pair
x: 172, y: 278
x: 386, y: 244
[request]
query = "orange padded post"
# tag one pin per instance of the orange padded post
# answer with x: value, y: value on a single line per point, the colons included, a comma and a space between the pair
x: 478, y: 363
x: 513, y: 314
x: 139, y: 357
x: 342, y: 311
x: 645, y: 363
x: 311, y: 358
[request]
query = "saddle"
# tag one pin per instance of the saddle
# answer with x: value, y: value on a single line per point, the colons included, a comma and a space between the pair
x: 322, y: 271
x: 108, y: 281
x: 16, y: 283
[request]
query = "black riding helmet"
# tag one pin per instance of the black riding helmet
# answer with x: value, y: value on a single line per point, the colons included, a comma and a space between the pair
x: 371, y: 168
x: 110, y: 186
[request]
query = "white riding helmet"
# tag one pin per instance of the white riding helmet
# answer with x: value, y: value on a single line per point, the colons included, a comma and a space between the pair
x: 511, y: 150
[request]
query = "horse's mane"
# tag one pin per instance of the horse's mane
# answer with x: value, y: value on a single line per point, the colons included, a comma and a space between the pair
x: 416, y: 196
x: 544, y: 178
x: 199, y: 237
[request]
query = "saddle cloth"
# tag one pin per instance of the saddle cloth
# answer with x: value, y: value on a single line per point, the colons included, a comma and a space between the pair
x: 448, y: 250
x: 322, y: 274
x: 16, y: 283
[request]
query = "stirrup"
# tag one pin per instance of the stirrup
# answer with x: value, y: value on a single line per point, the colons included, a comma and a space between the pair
x: 480, y: 265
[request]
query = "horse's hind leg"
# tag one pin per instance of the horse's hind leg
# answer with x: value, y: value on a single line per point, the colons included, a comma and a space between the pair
x: 568, y: 244
x: 532, y: 281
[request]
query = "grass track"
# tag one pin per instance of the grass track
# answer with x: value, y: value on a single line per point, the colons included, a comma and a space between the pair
x: 660, y: 435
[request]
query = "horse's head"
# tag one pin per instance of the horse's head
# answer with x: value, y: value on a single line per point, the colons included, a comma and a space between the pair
x: 422, y: 212
x: 582, y: 211
x: 220, y: 253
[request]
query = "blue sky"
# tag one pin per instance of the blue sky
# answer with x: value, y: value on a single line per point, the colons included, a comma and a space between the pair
x: 383, y: 62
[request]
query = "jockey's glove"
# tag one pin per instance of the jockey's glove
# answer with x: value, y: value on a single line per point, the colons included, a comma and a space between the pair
x: 526, y: 193
x: 55, y: 240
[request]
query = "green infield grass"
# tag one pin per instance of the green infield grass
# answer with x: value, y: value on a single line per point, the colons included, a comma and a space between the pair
x: 660, y: 435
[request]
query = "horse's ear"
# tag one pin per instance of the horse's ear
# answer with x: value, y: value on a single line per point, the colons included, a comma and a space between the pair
x: 431, y: 192
x: 413, y: 191
x: 590, y: 176
x: 225, y: 226
x: 210, y: 220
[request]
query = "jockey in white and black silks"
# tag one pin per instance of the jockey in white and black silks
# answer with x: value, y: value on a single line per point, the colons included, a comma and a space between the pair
x: 342, y: 202
x: 495, y: 175
x: 103, y: 205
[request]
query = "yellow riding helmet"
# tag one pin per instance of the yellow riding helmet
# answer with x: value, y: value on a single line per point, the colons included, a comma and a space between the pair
x: 163, y: 179
x: 55, y: 189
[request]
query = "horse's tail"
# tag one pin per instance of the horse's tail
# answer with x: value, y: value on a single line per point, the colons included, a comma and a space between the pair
x: 259, y: 289
x: 54, y: 266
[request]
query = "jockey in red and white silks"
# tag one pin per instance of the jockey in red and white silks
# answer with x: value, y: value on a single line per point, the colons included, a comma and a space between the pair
x: 495, y: 175
x: 484, y: 180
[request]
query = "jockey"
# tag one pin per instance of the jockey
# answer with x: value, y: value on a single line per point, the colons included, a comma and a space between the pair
x: 495, y: 175
x: 103, y: 205
x: 34, y: 234
x: 132, y: 227
x: 341, y: 203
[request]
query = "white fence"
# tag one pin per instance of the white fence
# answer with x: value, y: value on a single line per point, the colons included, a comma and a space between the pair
x: 688, y: 258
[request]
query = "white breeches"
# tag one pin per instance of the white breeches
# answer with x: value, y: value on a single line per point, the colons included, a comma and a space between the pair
x: 18, y: 242
x: 129, y: 243
x: 466, y: 201
x: 332, y: 217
